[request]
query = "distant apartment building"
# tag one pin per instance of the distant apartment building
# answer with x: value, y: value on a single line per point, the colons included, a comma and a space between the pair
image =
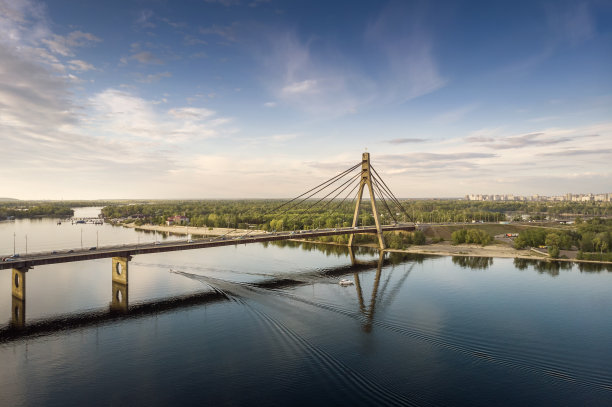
x: 569, y: 197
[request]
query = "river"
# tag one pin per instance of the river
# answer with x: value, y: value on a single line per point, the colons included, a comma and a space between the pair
x: 270, y: 325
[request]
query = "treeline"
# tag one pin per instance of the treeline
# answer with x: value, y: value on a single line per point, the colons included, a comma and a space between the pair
x: 50, y: 209
x: 22, y: 211
x: 326, y: 214
x: 476, y: 236
x: 593, y: 238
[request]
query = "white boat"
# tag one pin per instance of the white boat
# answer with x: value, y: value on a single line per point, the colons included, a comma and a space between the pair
x: 346, y: 282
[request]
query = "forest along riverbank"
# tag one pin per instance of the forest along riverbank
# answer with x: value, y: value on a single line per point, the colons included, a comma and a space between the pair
x: 499, y: 250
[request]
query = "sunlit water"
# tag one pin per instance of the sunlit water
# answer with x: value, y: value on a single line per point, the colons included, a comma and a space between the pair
x: 270, y: 325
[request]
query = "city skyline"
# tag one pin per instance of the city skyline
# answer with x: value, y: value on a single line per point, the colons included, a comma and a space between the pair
x: 262, y: 99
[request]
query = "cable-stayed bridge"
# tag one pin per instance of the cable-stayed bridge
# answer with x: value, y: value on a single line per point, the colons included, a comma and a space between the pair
x: 325, y: 196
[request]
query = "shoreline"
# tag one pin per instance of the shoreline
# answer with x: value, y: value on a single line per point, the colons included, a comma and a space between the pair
x: 193, y: 230
x: 435, y: 249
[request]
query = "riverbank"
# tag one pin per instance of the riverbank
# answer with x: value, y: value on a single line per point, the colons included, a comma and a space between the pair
x: 499, y: 250
x: 192, y: 230
x: 495, y: 250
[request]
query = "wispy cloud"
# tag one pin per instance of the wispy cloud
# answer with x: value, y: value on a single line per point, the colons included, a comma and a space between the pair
x: 227, y: 32
x: 154, y: 77
x: 123, y: 114
x: 226, y: 3
x: 64, y: 45
x: 456, y: 114
x: 400, y: 33
x: 329, y: 82
x: 571, y: 21
x: 578, y: 152
x: 308, y: 82
x: 146, y: 57
x: 406, y: 140
x: 521, y: 141
x: 144, y: 19
x: 81, y: 66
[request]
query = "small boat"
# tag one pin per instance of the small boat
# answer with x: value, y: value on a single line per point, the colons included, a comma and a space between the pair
x: 345, y: 282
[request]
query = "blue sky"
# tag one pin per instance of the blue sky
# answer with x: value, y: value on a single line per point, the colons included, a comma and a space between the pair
x: 238, y: 99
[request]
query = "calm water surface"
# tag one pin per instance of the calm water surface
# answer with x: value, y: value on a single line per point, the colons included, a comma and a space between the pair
x: 270, y: 325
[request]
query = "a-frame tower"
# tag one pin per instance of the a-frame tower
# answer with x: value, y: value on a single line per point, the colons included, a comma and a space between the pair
x: 366, y: 179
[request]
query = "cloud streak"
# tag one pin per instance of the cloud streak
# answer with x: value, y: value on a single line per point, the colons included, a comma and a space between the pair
x: 406, y: 140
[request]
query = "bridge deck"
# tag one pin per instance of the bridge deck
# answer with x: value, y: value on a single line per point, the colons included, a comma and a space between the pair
x: 66, y: 256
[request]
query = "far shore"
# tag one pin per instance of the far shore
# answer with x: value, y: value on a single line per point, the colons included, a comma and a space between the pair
x: 192, y: 230
x: 499, y: 250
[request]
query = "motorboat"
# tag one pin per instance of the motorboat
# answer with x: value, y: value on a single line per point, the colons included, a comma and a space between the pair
x: 345, y: 282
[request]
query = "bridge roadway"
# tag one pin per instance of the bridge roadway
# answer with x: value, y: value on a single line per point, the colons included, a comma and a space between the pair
x: 67, y: 256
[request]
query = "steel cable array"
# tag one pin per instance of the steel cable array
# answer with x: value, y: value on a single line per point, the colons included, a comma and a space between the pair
x: 341, y: 177
x: 384, y: 188
x: 340, y: 183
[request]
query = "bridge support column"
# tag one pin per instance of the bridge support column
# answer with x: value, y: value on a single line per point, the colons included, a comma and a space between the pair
x: 366, y: 180
x: 119, y: 299
x: 18, y: 289
x: 120, y: 270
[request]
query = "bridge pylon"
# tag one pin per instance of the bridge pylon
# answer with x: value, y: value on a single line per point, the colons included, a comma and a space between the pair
x: 366, y: 180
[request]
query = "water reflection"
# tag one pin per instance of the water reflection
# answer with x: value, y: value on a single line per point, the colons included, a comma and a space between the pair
x: 117, y: 311
x: 279, y: 318
x: 551, y: 268
x: 368, y: 312
x: 472, y: 262
x: 120, y: 307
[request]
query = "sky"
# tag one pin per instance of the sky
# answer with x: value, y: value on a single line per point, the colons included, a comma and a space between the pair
x: 205, y: 99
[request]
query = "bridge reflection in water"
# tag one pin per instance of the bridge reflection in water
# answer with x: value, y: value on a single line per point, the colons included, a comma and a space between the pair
x: 120, y: 309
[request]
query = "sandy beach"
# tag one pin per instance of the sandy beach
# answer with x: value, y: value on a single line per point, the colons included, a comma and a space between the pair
x: 494, y: 250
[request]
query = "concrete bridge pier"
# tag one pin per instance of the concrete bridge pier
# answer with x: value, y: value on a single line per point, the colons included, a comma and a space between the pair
x: 119, y: 299
x: 18, y: 289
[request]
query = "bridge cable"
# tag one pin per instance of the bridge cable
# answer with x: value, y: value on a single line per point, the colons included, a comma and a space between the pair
x: 386, y: 204
x: 344, y: 199
x: 342, y: 190
x: 391, y: 194
x: 375, y: 184
x: 329, y: 181
x: 311, y: 206
x: 393, y: 200
x: 385, y: 188
x: 384, y: 184
x: 319, y: 189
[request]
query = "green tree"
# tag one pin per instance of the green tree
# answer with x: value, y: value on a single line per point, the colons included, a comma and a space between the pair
x: 552, y: 241
x: 458, y: 236
x: 418, y: 237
